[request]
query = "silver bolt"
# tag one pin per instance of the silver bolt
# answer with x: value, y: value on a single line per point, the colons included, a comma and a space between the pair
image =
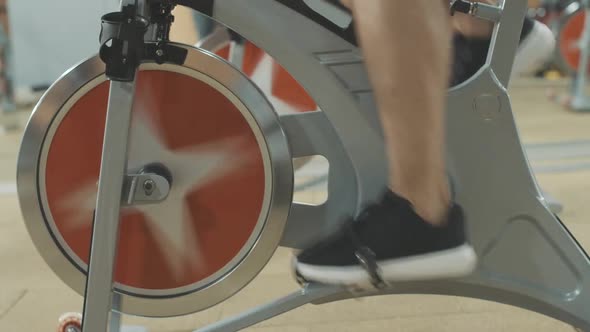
x: 129, y: 20
x: 148, y: 187
x: 124, y: 60
x: 160, y: 52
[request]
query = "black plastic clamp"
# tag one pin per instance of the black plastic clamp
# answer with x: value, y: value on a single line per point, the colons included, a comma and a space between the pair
x: 122, y: 43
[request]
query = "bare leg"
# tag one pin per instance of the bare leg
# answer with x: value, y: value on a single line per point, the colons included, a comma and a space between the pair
x: 409, y: 77
x: 473, y: 27
x: 407, y: 48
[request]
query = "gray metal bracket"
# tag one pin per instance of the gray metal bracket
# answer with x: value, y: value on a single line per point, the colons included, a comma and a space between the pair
x: 528, y: 257
x: 139, y: 189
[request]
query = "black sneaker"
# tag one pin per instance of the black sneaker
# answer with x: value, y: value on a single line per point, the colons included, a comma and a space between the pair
x: 389, y: 242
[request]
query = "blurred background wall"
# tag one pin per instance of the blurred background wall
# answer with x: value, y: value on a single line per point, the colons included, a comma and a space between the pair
x: 50, y: 36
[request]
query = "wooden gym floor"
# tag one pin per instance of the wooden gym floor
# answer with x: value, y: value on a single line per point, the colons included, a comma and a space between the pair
x: 32, y: 297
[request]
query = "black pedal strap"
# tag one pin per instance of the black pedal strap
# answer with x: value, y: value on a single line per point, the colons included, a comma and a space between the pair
x: 366, y: 258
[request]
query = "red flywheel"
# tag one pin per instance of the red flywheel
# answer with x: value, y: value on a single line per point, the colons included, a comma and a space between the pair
x: 221, y: 214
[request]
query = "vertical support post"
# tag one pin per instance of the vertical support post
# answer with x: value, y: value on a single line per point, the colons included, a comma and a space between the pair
x: 99, y: 284
x: 125, y: 31
x: 505, y: 40
x: 115, y: 323
x: 579, y: 101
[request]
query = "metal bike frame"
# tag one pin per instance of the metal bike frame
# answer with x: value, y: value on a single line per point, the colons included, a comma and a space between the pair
x: 510, y: 224
x: 98, y: 299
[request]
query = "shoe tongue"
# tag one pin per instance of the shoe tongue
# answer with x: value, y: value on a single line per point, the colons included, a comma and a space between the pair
x: 388, y: 201
x: 392, y: 199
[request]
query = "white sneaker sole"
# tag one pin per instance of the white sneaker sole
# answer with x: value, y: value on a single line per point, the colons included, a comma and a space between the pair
x: 451, y: 263
x: 535, y: 51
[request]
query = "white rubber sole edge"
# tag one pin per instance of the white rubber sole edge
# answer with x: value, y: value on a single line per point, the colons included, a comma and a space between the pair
x: 451, y: 263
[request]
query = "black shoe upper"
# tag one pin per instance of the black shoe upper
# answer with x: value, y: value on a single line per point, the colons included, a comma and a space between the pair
x: 391, y: 229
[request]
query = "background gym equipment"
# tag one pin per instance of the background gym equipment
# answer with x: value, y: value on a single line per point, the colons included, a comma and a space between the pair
x: 176, y: 193
x: 556, y: 14
x: 569, y: 30
x: 7, y: 104
x: 571, y: 57
x: 580, y: 102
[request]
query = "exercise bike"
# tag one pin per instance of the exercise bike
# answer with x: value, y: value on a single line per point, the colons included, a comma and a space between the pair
x: 567, y: 19
x: 156, y: 179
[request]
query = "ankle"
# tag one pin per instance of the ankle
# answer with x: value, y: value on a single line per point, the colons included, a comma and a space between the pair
x: 433, y: 211
x: 431, y: 203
